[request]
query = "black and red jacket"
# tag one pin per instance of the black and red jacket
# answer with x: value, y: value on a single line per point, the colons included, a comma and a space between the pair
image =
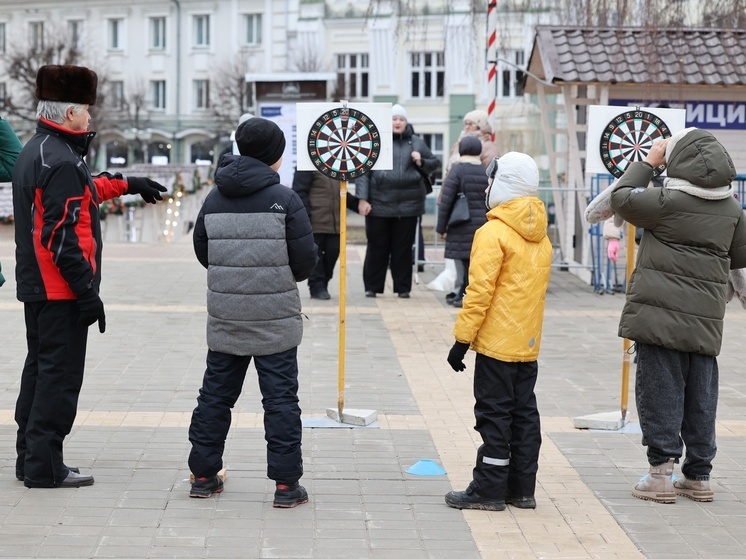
x: 55, y: 208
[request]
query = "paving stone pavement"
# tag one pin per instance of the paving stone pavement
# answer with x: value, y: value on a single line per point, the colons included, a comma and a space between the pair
x: 142, y: 380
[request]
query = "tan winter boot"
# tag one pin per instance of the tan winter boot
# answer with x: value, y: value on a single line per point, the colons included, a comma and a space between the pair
x: 657, y: 485
x: 696, y: 490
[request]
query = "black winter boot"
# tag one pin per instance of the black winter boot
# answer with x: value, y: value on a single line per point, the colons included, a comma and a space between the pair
x: 289, y: 496
x: 470, y: 499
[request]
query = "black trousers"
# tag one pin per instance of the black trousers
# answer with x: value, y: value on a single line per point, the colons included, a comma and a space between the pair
x: 390, y: 241
x: 221, y: 387
x: 508, y: 421
x: 328, y: 244
x: 50, y: 385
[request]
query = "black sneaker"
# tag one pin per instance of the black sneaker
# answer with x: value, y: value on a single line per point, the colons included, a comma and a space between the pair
x: 521, y: 502
x: 370, y: 293
x: 469, y: 499
x: 322, y: 294
x: 404, y: 295
x: 204, y: 487
x: 289, y: 496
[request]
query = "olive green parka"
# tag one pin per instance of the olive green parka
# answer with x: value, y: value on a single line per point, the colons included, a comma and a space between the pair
x: 694, y: 233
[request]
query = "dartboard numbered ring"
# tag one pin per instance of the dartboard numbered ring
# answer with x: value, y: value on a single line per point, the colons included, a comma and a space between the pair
x: 628, y: 137
x: 344, y: 144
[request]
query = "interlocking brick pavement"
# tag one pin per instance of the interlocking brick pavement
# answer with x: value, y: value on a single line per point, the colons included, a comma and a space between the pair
x: 141, y: 384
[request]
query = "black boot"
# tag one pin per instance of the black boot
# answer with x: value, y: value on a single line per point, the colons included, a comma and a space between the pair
x: 470, y: 499
x: 289, y: 496
x: 204, y: 487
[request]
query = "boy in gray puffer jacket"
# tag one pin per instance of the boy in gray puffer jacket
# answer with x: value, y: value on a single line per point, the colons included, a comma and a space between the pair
x: 694, y: 233
x: 254, y: 237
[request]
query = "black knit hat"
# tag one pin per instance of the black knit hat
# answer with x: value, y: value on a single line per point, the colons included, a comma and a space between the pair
x: 470, y: 145
x: 67, y: 83
x: 261, y: 139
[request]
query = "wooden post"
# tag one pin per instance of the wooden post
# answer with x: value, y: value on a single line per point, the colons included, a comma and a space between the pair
x: 342, y: 295
x: 627, y: 343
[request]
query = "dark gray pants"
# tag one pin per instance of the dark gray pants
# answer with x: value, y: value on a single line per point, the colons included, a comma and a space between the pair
x: 677, y: 396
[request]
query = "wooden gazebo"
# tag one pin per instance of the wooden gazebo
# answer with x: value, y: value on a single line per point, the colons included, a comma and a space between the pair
x: 571, y: 68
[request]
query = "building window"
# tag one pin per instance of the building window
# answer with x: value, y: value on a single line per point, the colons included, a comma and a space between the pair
x: 116, y: 34
x: 116, y: 95
x: 202, y: 31
x: 510, y: 83
x: 352, y: 76
x: 36, y: 35
x: 428, y: 74
x: 435, y: 143
x: 253, y: 29
x: 201, y: 94
x: 2, y: 37
x: 158, y: 94
x: 75, y: 32
x: 157, y: 33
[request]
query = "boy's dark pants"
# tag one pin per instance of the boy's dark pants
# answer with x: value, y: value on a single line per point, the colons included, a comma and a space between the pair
x: 221, y: 387
x: 50, y: 385
x: 508, y: 421
x: 677, y: 397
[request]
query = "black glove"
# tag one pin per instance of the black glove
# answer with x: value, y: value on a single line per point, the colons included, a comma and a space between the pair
x: 91, y: 309
x: 145, y: 187
x: 456, y: 356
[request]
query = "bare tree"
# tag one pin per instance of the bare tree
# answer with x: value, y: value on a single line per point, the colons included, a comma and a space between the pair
x: 23, y: 60
x: 229, y: 95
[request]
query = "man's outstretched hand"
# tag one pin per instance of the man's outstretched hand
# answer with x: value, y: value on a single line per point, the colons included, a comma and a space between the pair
x: 456, y: 356
x: 145, y: 187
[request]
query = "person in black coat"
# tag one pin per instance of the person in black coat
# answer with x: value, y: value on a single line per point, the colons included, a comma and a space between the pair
x: 397, y: 197
x: 320, y: 196
x: 467, y: 175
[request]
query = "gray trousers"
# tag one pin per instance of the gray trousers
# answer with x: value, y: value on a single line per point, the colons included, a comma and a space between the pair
x: 677, y: 396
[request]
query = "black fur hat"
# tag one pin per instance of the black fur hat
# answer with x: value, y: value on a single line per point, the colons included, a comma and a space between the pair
x: 68, y: 83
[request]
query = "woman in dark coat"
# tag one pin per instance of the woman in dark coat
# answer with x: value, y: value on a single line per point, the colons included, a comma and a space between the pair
x: 397, y: 197
x: 467, y: 175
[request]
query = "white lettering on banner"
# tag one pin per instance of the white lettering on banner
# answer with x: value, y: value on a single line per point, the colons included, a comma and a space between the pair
x: 716, y: 115
x: 719, y: 118
x: 737, y: 113
x: 695, y: 113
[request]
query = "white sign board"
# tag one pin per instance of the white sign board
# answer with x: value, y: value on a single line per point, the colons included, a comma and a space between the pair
x: 619, y: 135
x: 346, y: 139
x: 283, y: 114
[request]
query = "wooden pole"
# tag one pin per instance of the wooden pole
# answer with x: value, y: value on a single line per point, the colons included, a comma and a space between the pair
x: 342, y: 295
x: 627, y: 343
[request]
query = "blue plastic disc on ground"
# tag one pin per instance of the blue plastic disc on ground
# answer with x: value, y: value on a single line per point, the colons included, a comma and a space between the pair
x: 426, y: 468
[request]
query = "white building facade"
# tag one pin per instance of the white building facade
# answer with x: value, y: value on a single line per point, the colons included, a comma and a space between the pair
x: 163, y: 65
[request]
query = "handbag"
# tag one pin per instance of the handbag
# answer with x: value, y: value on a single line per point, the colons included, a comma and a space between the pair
x: 426, y: 179
x: 460, y: 211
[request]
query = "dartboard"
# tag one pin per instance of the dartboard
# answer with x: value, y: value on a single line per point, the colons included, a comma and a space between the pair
x: 344, y: 143
x: 629, y: 137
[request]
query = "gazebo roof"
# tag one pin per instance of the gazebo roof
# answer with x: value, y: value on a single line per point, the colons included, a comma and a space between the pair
x: 638, y: 55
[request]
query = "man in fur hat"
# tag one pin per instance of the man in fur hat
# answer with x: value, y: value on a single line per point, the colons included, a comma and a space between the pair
x: 58, y: 267
x: 695, y: 232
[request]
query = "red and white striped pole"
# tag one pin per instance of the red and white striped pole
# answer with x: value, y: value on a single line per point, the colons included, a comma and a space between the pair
x: 491, y: 62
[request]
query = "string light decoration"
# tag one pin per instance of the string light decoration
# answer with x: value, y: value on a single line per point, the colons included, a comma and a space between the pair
x: 173, y: 210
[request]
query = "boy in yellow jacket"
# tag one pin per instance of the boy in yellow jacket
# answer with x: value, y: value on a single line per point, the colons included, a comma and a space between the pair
x: 501, y: 320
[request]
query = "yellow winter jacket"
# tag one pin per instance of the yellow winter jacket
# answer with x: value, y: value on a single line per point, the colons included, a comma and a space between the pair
x: 503, y: 310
